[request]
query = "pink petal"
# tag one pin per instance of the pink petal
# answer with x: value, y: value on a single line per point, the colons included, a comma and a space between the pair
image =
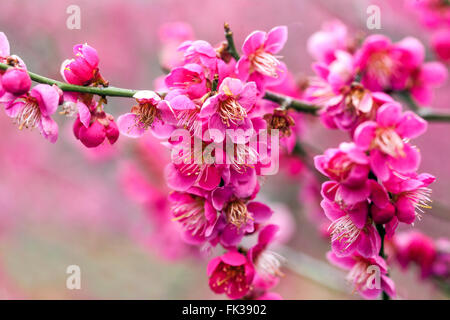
x: 48, y: 98
x: 231, y: 86
x: 127, y: 124
x: 212, y: 265
x: 411, y: 125
x: 405, y: 210
x: 433, y: 73
x: 4, y: 45
x: 253, y: 42
x: 389, y: 114
x: 276, y: 39
x: 260, y: 212
x: 331, y: 210
x: 177, y: 181
x: 345, y: 263
x: 234, y: 258
x: 49, y: 129
x: 414, y: 49
x: 379, y: 165
x: 267, y: 234
x: 84, y: 113
x: 364, y: 134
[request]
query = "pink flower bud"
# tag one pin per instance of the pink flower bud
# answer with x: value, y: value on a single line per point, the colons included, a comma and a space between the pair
x: 382, y: 215
x: 101, y: 127
x: 16, y: 81
x: 93, y: 136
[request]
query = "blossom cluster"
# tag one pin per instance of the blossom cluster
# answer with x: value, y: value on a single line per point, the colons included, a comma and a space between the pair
x: 211, y: 112
x: 209, y: 116
x: 374, y: 184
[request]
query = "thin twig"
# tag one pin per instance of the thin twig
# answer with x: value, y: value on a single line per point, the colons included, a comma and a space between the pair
x: 231, y: 46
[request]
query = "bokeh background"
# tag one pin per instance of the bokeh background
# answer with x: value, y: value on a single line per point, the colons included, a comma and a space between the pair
x: 62, y: 204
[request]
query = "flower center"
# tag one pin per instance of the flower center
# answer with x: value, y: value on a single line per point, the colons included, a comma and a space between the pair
x: 231, y: 111
x: 227, y: 274
x: 339, y: 167
x: 388, y: 141
x: 238, y: 214
x: 421, y: 199
x: 30, y: 115
x: 146, y: 113
x: 381, y: 66
x: 264, y: 63
x: 343, y: 229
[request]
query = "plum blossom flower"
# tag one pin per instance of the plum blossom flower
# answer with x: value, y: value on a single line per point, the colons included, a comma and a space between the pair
x: 349, y: 167
x: 231, y: 273
x: 416, y: 247
x: 195, y: 213
x: 440, y: 43
x: 202, y: 53
x: 150, y: 112
x: 411, y: 194
x: 83, y: 70
x: 429, y: 76
x: 259, y: 62
x: 385, y: 65
x: 190, y: 79
x: 239, y: 217
x: 229, y: 108
x: 351, y: 229
x: 267, y: 263
x: 360, y: 275
x: 34, y: 110
x: 324, y: 44
x: 385, y: 139
x: 192, y: 166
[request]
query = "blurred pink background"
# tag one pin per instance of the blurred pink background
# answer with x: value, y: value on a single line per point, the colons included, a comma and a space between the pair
x: 62, y: 205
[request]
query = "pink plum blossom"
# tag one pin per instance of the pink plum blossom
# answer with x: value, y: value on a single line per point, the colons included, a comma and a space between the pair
x: 415, y: 247
x: 195, y: 213
x: 150, y: 112
x: 429, y: 76
x: 385, y: 65
x: 359, y: 276
x: 440, y: 43
x: 259, y: 62
x: 202, y: 53
x: 229, y: 108
x: 267, y: 263
x: 83, y: 70
x: 349, y: 167
x: 384, y: 138
x: 411, y: 194
x: 34, y: 110
x: 351, y: 230
x: 231, y: 273
x: 324, y: 44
